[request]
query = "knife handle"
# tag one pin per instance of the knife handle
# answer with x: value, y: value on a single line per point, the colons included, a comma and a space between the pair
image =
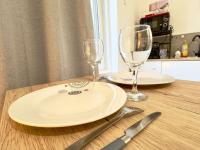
x: 118, y: 144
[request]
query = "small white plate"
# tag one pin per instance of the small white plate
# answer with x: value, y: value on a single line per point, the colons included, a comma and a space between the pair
x: 56, y: 107
x: 144, y: 78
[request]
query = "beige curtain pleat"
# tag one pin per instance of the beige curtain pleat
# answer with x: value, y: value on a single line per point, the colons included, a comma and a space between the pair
x: 3, y: 84
x: 66, y: 24
x: 41, y: 41
x: 51, y: 36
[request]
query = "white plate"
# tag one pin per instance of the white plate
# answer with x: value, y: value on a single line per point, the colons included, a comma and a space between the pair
x: 144, y: 78
x: 54, y: 107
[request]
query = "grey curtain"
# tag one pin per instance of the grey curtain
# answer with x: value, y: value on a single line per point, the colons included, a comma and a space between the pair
x: 41, y: 41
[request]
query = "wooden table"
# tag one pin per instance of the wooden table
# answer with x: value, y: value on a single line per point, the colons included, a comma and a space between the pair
x: 178, y: 128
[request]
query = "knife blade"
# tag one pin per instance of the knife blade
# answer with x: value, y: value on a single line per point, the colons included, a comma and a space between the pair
x: 131, y: 132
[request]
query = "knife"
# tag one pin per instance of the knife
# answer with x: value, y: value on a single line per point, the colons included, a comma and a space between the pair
x: 131, y: 132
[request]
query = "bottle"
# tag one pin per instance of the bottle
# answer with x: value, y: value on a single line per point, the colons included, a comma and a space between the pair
x: 184, y: 48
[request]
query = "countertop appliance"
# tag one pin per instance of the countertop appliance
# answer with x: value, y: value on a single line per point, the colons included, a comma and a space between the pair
x: 155, y: 52
x: 159, y: 23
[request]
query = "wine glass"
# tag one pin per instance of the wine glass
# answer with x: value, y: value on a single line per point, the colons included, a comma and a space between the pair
x: 93, y: 52
x: 135, y: 45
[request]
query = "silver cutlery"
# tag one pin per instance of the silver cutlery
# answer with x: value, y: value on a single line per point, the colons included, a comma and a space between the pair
x: 131, y: 132
x: 125, y: 112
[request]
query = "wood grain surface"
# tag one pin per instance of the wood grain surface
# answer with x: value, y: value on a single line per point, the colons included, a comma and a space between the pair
x: 178, y: 128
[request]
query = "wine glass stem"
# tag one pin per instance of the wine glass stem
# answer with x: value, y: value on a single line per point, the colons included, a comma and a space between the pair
x: 94, y: 72
x: 135, y: 75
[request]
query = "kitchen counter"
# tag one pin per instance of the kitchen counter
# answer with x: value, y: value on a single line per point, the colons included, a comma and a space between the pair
x: 176, y: 128
x: 177, y: 59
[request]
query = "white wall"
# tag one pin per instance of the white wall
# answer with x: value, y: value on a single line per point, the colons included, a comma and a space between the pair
x: 185, y: 14
x: 126, y: 12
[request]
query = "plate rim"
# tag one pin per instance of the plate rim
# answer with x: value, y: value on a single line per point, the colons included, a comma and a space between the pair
x: 110, y: 78
x: 67, y: 124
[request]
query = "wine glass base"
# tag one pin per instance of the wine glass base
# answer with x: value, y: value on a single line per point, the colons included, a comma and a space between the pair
x: 136, y: 97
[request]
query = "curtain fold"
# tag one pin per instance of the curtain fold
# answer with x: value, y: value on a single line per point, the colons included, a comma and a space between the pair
x: 3, y: 85
x: 41, y: 41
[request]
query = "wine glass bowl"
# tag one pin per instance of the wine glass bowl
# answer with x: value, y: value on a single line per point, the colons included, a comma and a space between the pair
x: 135, y: 45
x: 93, y: 51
